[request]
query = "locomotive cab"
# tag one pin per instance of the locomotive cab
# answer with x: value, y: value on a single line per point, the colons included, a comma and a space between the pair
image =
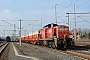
x: 62, y: 35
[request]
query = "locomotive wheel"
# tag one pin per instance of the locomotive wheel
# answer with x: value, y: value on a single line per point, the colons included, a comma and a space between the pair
x: 65, y: 45
x: 49, y: 45
x: 41, y: 43
x: 53, y: 45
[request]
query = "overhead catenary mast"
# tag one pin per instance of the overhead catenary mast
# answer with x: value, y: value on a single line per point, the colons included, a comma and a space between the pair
x: 56, y: 13
x: 75, y: 24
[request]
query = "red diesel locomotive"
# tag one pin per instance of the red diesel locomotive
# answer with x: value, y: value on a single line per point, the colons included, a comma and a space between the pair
x: 52, y: 35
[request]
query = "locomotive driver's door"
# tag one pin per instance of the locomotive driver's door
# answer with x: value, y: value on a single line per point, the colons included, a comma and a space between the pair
x: 55, y: 35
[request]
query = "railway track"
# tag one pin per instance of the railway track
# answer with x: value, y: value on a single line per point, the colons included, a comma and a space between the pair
x: 3, y: 45
x: 78, y: 53
x: 83, y: 54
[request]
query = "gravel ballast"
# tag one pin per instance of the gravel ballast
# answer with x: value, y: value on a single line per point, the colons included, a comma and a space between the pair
x: 5, y: 53
x: 42, y: 53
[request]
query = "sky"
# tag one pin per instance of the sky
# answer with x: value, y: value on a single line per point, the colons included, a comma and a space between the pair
x: 29, y: 11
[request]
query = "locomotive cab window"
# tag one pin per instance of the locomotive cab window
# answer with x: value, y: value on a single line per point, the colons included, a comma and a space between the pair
x: 48, y: 26
x: 55, y: 25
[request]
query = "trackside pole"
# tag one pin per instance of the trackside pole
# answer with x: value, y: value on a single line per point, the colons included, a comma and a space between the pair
x: 20, y: 32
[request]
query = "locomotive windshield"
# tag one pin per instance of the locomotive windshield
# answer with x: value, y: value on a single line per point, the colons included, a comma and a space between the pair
x: 49, y: 25
x: 55, y: 25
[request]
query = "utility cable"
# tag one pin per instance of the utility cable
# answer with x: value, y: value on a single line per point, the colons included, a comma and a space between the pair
x: 84, y: 19
x: 81, y: 5
x: 52, y: 8
x: 63, y: 20
x: 10, y: 24
x: 61, y: 10
x: 29, y: 24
